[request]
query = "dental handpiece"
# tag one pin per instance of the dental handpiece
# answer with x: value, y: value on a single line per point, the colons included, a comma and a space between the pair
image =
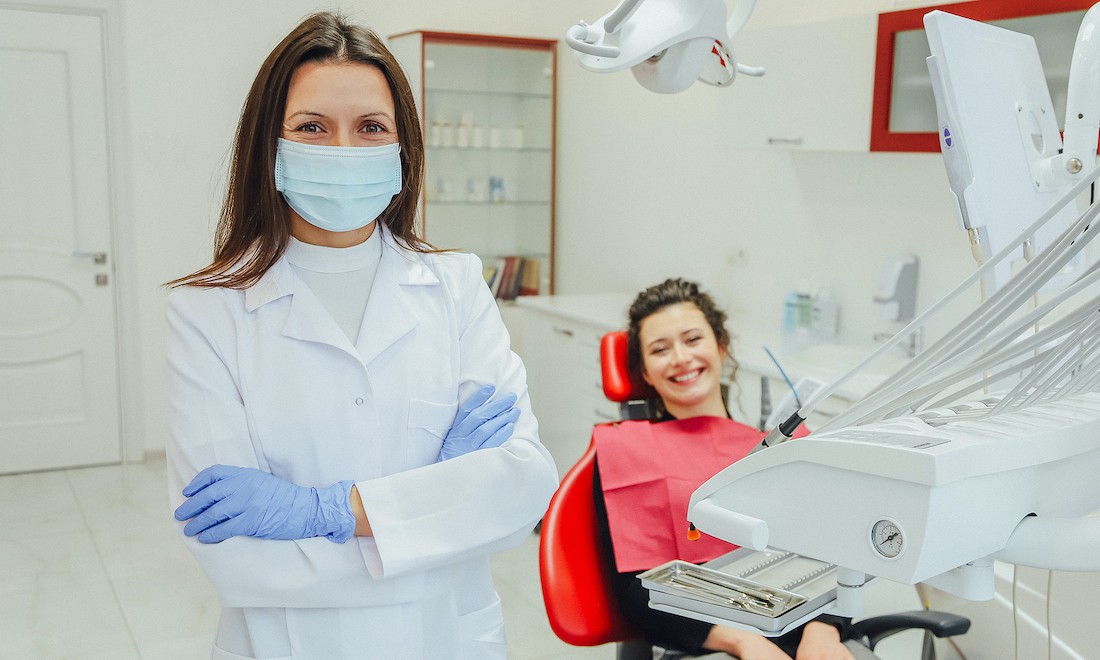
x: 784, y: 431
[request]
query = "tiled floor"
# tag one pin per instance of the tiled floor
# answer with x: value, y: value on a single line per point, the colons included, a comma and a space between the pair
x: 91, y: 568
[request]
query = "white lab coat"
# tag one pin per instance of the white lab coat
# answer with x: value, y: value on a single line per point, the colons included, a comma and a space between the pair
x: 264, y: 378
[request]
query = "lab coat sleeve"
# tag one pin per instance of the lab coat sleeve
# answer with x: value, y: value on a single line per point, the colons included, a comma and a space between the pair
x: 484, y: 501
x: 207, y: 425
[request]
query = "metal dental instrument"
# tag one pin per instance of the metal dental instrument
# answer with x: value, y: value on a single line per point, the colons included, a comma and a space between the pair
x: 723, y: 594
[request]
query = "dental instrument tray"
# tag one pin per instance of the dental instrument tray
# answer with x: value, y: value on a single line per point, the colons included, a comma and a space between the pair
x: 771, y: 590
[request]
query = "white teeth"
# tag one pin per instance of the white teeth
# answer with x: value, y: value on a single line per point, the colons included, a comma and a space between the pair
x: 682, y: 377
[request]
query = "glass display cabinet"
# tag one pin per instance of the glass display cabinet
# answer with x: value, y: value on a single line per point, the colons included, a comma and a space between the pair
x: 487, y: 106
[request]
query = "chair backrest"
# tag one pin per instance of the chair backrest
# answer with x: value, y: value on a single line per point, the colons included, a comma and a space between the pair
x: 619, y: 384
x: 573, y: 566
x: 636, y: 398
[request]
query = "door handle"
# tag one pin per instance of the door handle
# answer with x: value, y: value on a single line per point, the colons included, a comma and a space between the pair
x: 97, y: 257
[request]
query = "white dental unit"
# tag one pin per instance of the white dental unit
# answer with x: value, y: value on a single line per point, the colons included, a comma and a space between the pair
x: 986, y: 445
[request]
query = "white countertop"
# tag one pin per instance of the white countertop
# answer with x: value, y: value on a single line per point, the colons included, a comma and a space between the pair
x: 824, y: 362
x: 604, y: 310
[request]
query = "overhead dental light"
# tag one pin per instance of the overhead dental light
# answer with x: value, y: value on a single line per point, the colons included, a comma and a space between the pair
x: 666, y: 44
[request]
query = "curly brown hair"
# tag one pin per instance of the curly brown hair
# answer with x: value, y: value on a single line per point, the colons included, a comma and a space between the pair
x: 667, y: 293
x: 671, y: 292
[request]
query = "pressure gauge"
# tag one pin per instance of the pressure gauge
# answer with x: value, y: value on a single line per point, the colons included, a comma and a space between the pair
x: 887, y: 538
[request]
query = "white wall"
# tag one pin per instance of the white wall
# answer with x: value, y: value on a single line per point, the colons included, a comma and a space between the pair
x: 647, y: 187
x: 650, y: 181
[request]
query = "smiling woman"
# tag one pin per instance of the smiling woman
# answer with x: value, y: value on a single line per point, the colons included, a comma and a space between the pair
x: 681, y: 354
x: 677, y: 342
x: 674, y: 331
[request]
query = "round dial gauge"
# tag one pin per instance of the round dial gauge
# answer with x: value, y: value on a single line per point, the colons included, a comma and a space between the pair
x: 887, y: 538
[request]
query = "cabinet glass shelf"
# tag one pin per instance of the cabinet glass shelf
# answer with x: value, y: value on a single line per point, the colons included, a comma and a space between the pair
x: 521, y: 150
x: 489, y: 92
x: 518, y: 202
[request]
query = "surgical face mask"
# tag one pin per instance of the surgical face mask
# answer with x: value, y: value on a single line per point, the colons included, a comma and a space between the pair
x: 337, y: 188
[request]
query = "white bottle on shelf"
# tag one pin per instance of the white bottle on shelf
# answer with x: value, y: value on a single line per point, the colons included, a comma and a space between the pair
x: 496, y: 189
x: 465, y: 128
x: 435, y: 135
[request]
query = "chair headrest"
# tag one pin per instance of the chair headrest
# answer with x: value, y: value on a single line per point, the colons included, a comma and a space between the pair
x: 618, y: 384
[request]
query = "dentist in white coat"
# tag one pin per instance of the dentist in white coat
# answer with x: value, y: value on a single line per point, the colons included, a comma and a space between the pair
x: 341, y: 463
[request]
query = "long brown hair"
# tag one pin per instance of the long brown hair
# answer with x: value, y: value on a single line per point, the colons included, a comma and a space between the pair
x: 254, y: 228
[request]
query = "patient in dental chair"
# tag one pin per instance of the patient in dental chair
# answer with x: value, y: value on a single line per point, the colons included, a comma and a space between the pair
x: 678, y: 343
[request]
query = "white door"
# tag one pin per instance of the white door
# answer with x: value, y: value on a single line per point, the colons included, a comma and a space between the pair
x: 58, y: 371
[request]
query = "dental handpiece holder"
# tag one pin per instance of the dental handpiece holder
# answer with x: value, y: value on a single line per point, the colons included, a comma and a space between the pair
x: 896, y: 295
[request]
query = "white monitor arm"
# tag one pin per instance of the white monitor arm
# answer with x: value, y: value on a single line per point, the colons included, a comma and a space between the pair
x: 667, y: 44
x: 1082, y: 107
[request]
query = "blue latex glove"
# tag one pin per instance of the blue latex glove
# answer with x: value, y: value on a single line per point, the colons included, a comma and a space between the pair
x: 480, y: 423
x: 225, y: 500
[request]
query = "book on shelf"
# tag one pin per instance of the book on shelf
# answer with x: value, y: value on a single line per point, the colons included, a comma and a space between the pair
x: 491, y: 271
x: 517, y: 277
x: 529, y: 284
x: 497, y: 272
x: 506, y: 277
x: 512, y: 276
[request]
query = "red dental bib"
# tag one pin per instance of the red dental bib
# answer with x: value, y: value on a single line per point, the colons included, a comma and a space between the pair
x: 649, y: 471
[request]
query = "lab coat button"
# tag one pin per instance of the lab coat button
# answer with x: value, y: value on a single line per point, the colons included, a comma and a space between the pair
x: 359, y: 401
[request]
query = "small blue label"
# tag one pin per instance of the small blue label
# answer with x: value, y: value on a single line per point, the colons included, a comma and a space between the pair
x: 948, y: 140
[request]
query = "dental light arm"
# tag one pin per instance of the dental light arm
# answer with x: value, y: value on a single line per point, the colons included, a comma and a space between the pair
x: 582, y: 38
x: 667, y: 44
x: 740, y: 16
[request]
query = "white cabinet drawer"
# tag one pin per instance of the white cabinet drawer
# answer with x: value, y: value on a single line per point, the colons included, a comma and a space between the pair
x: 816, y: 94
x: 563, y: 377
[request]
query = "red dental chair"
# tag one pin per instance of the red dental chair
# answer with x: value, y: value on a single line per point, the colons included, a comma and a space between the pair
x: 575, y: 571
x: 573, y: 566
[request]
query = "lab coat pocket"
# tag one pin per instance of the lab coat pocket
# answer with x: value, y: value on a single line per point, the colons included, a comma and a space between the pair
x: 481, y: 632
x: 429, y: 423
